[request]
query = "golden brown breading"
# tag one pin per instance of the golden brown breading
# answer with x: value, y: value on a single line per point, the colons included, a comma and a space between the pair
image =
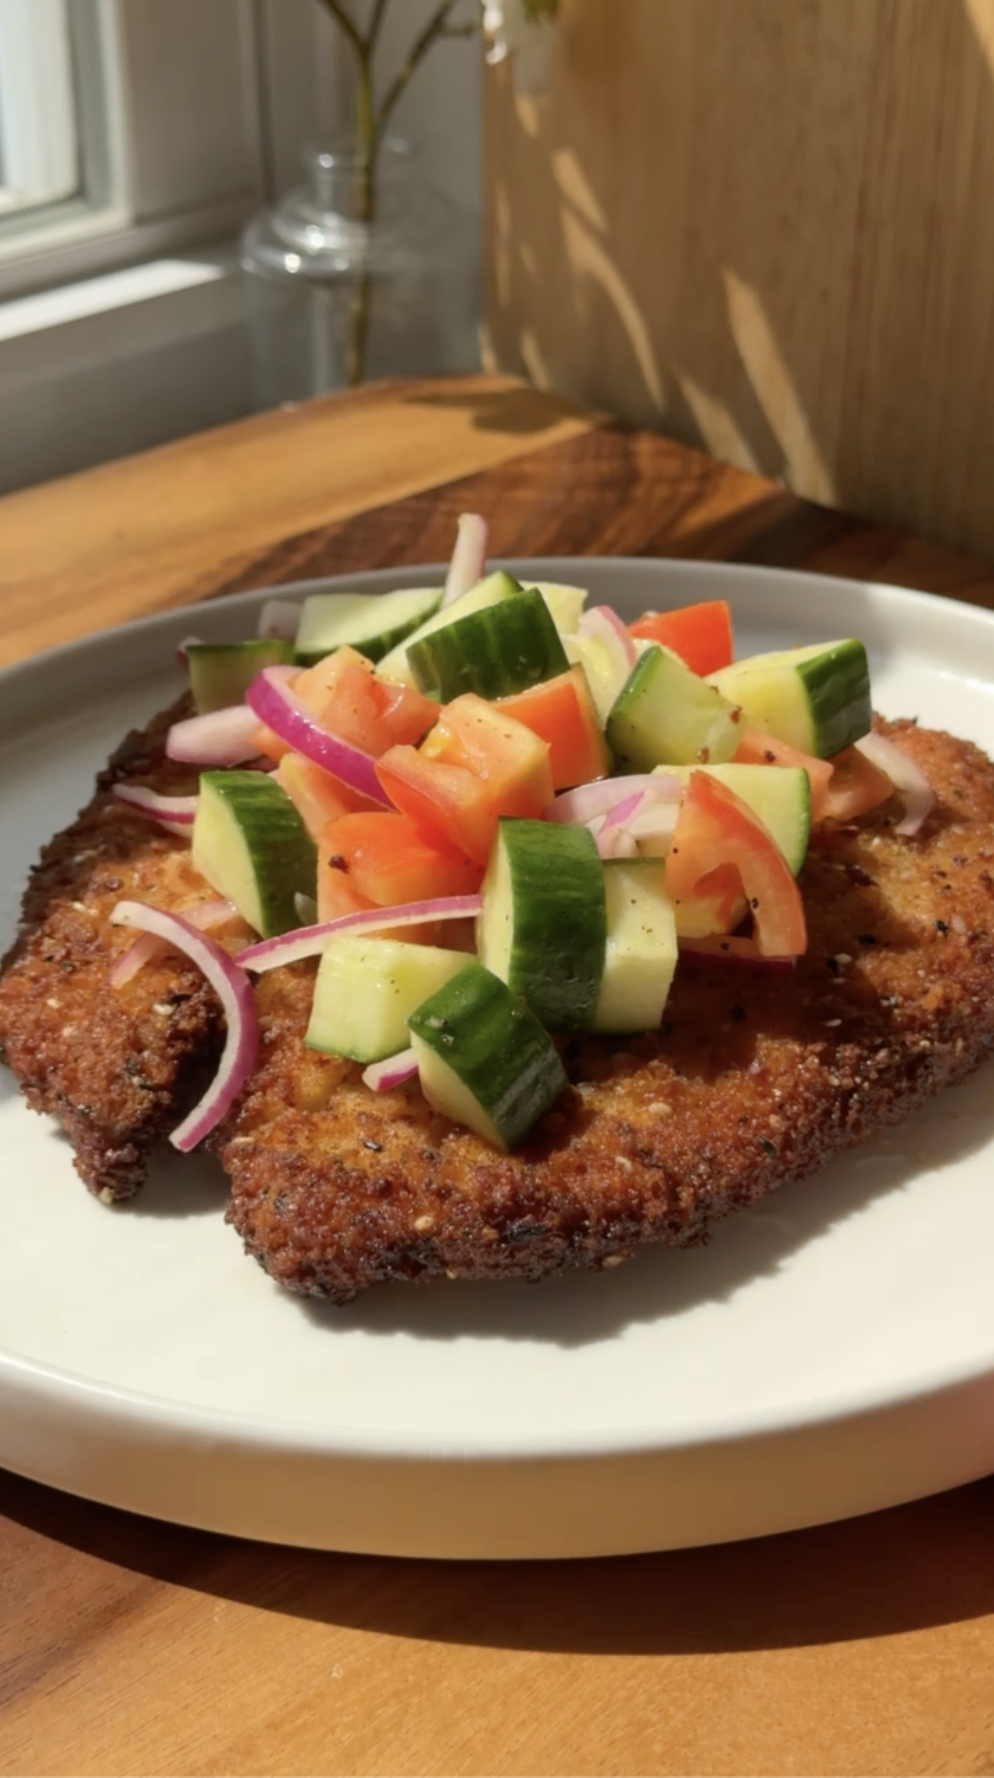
x: 756, y: 1077
x: 118, y: 1068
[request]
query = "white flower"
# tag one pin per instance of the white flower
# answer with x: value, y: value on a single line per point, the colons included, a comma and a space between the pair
x: 522, y: 29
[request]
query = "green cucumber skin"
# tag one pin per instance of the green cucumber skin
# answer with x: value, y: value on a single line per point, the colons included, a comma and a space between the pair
x: 494, y: 588
x: 495, y: 1046
x: 829, y: 703
x: 838, y: 725
x: 496, y: 652
x: 282, y: 855
x: 320, y: 635
x: 221, y: 672
x: 663, y: 715
x: 558, y: 923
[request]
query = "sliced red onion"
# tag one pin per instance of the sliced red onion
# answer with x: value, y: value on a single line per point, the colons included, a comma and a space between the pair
x: 206, y: 916
x: 309, y: 941
x: 578, y: 807
x: 611, y: 831
x: 279, y: 620
x: 221, y: 738
x: 271, y: 697
x: 737, y: 951
x: 603, y: 623
x: 469, y: 558
x: 908, y: 780
x: 392, y: 1072
x: 241, y: 1046
x: 175, y: 813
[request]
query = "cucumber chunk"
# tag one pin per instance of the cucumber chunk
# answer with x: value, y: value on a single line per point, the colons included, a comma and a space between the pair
x: 484, y: 1059
x: 779, y: 795
x: 495, y: 652
x: 641, y: 946
x: 543, y: 927
x: 221, y: 672
x: 604, y: 676
x: 251, y: 845
x: 815, y: 698
x: 367, y: 989
x: 665, y: 715
x: 371, y: 623
x: 396, y: 665
x: 565, y: 603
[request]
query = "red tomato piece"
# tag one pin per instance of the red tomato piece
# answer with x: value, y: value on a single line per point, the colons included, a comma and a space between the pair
x: 476, y: 765
x: 388, y: 860
x: 700, y: 634
x: 317, y: 796
x: 715, y: 830
x: 562, y: 713
x: 856, y: 785
x: 841, y: 788
x: 345, y: 696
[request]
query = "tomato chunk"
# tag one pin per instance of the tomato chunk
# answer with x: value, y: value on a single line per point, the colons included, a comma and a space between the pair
x: 700, y: 634
x: 856, y: 785
x: 716, y: 832
x: 842, y: 787
x: 317, y: 796
x: 476, y: 765
x: 388, y: 860
x: 562, y: 712
x: 344, y: 694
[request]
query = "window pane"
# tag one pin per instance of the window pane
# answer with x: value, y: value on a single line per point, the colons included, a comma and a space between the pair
x: 39, y: 155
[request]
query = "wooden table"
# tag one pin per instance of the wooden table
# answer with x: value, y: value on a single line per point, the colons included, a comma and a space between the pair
x: 129, y: 1647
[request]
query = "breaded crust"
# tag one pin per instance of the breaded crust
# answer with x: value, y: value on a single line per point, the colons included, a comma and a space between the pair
x: 119, y: 1068
x: 757, y: 1077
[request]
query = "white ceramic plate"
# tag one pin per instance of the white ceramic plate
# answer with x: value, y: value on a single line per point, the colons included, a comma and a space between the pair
x: 830, y: 1352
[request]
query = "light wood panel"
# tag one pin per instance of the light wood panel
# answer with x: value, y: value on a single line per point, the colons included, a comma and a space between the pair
x: 765, y: 227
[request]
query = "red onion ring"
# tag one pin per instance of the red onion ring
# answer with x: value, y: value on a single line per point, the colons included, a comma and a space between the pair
x: 205, y: 915
x: 309, y: 941
x: 392, y: 1072
x: 271, y: 698
x: 908, y: 780
x: 241, y: 1045
x: 603, y: 623
x: 221, y: 738
x: 579, y: 806
x: 175, y: 813
x: 469, y: 558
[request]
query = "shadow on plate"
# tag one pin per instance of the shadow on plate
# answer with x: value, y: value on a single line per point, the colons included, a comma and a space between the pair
x: 583, y: 1309
x: 912, y: 1568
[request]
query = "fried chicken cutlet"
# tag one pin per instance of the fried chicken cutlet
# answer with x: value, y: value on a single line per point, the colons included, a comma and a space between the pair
x: 757, y: 1076
x: 117, y: 1068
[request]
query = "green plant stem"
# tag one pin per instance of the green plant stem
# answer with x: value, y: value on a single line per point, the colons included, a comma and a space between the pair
x: 367, y: 150
x: 370, y: 131
x: 433, y: 30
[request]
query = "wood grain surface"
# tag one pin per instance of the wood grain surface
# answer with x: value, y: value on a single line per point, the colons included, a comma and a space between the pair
x: 130, y: 1647
x: 765, y: 227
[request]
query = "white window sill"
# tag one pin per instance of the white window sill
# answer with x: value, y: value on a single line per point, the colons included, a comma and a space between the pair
x: 121, y: 362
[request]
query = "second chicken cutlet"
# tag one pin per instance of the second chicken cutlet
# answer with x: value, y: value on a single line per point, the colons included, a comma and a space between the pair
x: 118, y: 1068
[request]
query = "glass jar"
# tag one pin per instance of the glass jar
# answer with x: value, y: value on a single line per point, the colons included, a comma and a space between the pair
x: 349, y: 278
